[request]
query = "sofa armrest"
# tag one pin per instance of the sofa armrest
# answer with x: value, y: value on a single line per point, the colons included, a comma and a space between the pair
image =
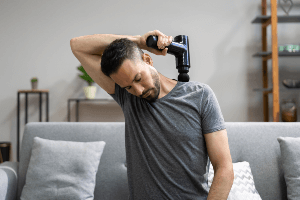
x: 8, y: 180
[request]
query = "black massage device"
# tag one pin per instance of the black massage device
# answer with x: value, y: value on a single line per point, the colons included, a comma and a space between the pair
x: 180, y: 49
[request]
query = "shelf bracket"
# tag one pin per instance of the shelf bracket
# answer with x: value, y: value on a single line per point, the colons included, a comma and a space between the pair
x: 267, y: 92
x: 267, y: 23
x: 266, y: 58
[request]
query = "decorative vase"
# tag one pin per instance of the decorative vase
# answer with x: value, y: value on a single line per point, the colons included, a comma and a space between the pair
x: 90, y: 92
x: 34, y: 85
x: 289, y: 111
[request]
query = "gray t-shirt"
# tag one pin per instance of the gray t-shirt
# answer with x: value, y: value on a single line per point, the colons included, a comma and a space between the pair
x: 165, y: 147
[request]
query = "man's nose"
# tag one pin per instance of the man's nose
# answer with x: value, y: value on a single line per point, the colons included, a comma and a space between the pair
x: 139, y: 90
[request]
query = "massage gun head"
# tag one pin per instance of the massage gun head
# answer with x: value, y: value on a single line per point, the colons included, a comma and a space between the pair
x: 183, y: 77
x: 180, y: 49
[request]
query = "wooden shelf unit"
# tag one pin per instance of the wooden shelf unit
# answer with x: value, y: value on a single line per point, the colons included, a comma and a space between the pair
x: 265, y: 21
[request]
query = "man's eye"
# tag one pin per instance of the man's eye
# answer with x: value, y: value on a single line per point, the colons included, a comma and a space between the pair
x: 130, y: 86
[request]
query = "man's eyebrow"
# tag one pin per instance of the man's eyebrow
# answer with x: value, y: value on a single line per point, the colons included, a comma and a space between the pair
x: 131, y: 82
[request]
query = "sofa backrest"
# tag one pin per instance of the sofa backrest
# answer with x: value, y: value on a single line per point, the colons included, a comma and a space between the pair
x: 111, y: 178
x: 255, y: 142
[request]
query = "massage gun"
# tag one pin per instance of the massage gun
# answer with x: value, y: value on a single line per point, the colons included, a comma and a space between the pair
x: 180, y: 49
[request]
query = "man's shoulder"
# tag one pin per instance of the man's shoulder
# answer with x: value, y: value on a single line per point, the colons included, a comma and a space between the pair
x: 194, y: 85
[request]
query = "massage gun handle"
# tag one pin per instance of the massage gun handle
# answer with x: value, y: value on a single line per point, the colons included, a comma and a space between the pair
x: 176, y: 47
x: 152, y: 42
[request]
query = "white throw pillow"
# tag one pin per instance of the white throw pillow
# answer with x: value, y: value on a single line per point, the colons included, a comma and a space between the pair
x: 243, y: 187
x: 62, y: 170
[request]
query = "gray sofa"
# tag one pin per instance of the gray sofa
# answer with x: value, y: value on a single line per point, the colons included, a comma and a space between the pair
x: 255, y: 142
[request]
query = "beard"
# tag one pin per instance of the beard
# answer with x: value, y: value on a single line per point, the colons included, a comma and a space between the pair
x: 156, y: 90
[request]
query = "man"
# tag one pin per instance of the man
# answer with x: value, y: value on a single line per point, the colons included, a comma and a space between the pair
x: 171, y: 127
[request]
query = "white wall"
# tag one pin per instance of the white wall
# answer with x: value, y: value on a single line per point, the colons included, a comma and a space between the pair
x: 35, y: 41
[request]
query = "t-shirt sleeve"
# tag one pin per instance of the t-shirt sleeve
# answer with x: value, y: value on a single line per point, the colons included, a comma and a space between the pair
x: 120, y: 95
x: 211, y: 116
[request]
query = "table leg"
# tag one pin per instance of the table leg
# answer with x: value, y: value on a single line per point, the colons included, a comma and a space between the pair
x: 26, y: 108
x: 18, y: 127
x: 69, y: 110
x: 77, y: 106
x: 40, y: 106
x: 10, y: 152
x: 47, y: 110
x: 1, y: 159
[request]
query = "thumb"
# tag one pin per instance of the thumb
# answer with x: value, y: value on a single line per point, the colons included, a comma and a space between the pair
x: 156, y: 52
x: 165, y: 51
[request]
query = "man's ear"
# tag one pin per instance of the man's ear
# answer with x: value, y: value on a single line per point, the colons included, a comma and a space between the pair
x: 147, y: 59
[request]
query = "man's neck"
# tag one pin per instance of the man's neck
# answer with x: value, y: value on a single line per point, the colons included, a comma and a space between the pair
x: 166, y: 85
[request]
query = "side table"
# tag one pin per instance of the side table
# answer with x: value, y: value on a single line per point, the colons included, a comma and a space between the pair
x: 34, y: 91
x: 77, y: 105
x: 4, y: 145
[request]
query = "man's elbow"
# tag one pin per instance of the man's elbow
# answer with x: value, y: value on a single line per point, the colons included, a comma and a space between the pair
x: 226, y: 172
x: 232, y: 175
x: 230, y: 171
x: 72, y: 43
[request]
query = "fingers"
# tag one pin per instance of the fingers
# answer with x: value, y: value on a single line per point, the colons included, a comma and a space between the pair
x: 162, y: 43
x: 166, y: 41
x: 163, y: 40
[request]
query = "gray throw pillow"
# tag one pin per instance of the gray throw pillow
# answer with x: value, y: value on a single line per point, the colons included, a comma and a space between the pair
x: 62, y: 170
x: 290, y: 160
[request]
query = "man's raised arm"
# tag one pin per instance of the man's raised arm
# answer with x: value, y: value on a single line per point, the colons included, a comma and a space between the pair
x: 89, y: 49
x: 96, y: 44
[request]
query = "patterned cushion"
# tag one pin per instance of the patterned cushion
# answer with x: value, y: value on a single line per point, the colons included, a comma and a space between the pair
x: 243, y: 187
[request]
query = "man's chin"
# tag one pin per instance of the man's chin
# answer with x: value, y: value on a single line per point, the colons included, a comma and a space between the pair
x: 153, y: 99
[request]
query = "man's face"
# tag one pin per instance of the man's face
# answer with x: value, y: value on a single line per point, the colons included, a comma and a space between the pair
x: 140, y: 79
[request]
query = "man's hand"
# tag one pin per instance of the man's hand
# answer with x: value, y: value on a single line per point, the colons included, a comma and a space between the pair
x: 162, y: 42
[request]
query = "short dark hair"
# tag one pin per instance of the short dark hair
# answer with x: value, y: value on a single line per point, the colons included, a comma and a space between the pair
x: 118, y: 51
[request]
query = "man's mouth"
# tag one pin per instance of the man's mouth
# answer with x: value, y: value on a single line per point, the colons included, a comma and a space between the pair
x: 147, y: 94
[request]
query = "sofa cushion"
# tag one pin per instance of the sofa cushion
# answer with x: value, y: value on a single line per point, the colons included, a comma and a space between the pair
x: 290, y: 159
x: 62, y: 170
x: 243, y: 186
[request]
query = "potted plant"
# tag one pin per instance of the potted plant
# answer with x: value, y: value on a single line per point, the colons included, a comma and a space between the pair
x: 89, y: 91
x: 34, y: 82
